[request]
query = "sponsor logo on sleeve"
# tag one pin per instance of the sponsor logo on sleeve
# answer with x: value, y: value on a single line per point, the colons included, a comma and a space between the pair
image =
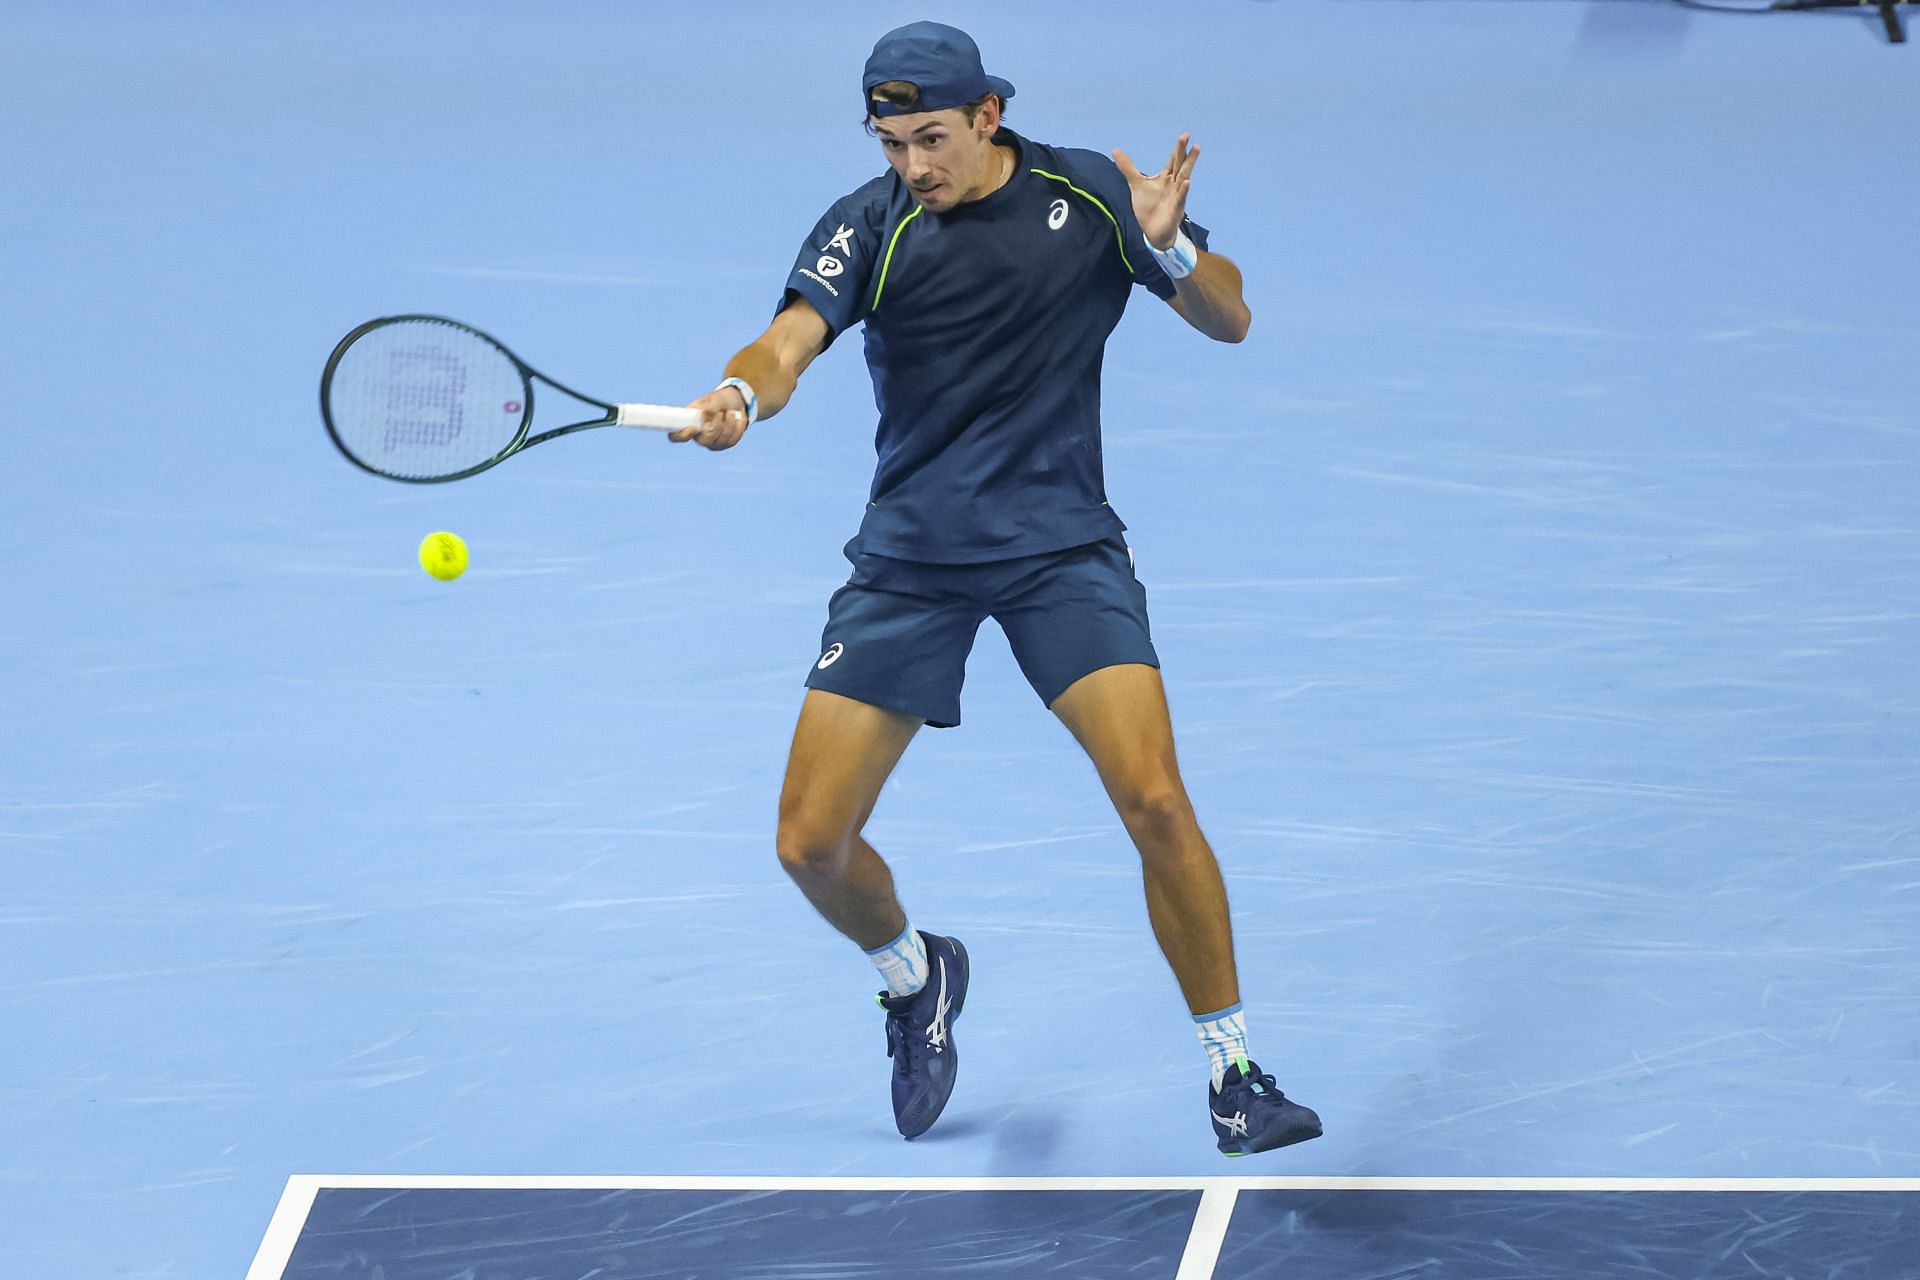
x: 827, y: 266
x: 820, y: 280
x: 842, y: 241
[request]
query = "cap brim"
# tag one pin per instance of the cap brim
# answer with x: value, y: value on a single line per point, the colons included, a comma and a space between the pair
x: 1000, y: 86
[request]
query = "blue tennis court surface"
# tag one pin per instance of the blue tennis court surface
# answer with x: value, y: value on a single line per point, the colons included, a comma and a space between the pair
x: 1112, y: 1229
x: 1538, y: 589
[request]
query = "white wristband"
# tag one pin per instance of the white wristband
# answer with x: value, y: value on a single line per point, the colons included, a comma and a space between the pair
x: 745, y: 389
x: 1180, y: 258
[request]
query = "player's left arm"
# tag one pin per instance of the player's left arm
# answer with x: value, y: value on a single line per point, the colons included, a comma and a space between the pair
x: 1209, y: 297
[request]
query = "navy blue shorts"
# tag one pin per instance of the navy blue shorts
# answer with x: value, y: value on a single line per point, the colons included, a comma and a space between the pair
x: 899, y: 632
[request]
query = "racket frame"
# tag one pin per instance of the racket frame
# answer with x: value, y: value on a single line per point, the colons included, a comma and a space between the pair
x: 610, y: 417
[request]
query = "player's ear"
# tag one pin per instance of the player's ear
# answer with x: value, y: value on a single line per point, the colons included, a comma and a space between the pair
x: 988, y: 121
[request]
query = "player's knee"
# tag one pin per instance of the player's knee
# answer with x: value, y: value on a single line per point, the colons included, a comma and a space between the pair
x: 810, y: 849
x: 1157, y: 814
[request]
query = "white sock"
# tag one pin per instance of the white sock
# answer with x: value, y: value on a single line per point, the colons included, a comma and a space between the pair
x: 903, y: 962
x: 1224, y: 1036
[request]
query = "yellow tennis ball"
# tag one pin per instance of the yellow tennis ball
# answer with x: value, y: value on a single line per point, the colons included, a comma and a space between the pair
x: 443, y: 555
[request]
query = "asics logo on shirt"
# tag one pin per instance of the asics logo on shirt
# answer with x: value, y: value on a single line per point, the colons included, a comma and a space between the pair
x: 1236, y: 1125
x: 831, y: 656
x: 1057, y: 214
x: 937, y: 1029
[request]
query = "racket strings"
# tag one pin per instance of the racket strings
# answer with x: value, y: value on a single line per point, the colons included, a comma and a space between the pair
x: 423, y: 399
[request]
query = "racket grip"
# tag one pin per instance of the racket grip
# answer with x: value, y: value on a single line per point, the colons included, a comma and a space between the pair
x: 660, y: 417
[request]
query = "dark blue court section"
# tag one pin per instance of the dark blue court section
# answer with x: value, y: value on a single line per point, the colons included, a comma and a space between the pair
x: 741, y: 1235
x: 1562, y: 1235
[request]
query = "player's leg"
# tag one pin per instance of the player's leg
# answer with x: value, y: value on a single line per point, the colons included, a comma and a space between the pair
x: 1077, y: 622
x: 843, y: 751
x: 1119, y: 716
x: 1078, y: 626
x: 894, y: 657
x: 895, y: 651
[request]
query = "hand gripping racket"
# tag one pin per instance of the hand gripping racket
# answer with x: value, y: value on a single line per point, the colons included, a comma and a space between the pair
x: 425, y: 399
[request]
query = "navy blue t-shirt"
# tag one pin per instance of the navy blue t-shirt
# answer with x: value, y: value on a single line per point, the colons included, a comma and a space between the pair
x: 985, y: 328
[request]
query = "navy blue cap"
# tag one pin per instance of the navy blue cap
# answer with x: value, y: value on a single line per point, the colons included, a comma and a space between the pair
x: 942, y: 61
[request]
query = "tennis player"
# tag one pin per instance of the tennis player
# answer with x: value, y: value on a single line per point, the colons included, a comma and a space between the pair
x: 988, y: 270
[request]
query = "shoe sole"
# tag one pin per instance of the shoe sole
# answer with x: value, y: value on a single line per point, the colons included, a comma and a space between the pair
x: 1244, y: 1149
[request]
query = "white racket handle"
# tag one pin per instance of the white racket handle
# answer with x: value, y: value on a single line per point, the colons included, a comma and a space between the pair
x: 660, y: 417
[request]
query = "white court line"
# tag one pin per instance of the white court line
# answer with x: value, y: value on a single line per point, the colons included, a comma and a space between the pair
x: 1209, y: 1233
x: 289, y: 1220
x: 650, y: 1182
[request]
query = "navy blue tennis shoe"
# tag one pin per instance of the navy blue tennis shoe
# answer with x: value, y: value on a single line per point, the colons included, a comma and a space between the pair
x: 920, y: 1037
x: 1251, y: 1114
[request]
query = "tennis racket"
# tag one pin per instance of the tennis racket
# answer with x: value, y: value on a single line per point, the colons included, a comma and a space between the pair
x: 426, y: 399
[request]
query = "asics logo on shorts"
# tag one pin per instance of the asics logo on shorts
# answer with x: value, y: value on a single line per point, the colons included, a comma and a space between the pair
x: 831, y: 656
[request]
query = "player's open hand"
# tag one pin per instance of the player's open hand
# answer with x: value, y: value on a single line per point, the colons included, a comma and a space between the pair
x: 723, y: 419
x: 1160, y: 199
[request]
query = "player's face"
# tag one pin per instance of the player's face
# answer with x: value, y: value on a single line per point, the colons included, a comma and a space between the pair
x: 943, y: 160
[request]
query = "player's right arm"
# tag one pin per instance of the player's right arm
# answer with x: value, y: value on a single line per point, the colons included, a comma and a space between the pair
x: 771, y: 364
x: 825, y: 295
